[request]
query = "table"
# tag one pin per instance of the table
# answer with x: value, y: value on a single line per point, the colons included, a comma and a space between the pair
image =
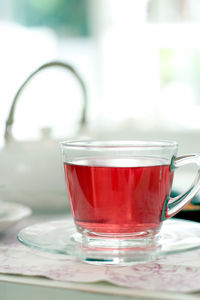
x: 14, y: 287
x: 19, y: 287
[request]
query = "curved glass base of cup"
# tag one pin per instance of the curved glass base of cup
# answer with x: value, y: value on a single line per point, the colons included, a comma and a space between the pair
x: 116, y: 251
x: 118, y: 248
x: 61, y: 237
x: 140, y: 233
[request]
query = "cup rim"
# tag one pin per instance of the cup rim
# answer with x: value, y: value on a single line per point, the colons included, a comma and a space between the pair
x: 118, y: 144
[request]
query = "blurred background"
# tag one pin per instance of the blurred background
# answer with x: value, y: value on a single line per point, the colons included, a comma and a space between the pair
x: 140, y: 61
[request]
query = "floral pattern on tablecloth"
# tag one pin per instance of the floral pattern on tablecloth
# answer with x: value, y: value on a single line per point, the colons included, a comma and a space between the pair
x: 179, y: 272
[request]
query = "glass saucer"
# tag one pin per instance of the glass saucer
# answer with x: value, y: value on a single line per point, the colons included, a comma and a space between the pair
x: 61, y: 237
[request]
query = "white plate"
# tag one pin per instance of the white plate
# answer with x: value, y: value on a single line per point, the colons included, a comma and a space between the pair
x: 11, y: 213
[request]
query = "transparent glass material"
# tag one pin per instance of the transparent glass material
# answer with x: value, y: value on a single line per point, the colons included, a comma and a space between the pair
x: 61, y: 238
x: 119, y: 192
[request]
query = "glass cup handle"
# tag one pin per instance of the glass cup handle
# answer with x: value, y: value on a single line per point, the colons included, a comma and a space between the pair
x: 173, y: 205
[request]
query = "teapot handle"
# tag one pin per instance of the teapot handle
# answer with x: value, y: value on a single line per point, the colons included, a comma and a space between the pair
x: 9, y: 122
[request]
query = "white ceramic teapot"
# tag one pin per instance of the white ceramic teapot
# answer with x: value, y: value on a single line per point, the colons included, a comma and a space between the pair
x: 32, y: 171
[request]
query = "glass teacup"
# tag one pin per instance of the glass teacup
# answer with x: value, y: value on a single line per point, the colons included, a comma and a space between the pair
x: 119, y: 192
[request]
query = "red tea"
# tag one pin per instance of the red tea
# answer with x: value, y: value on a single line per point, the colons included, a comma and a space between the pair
x: 118, y: 196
